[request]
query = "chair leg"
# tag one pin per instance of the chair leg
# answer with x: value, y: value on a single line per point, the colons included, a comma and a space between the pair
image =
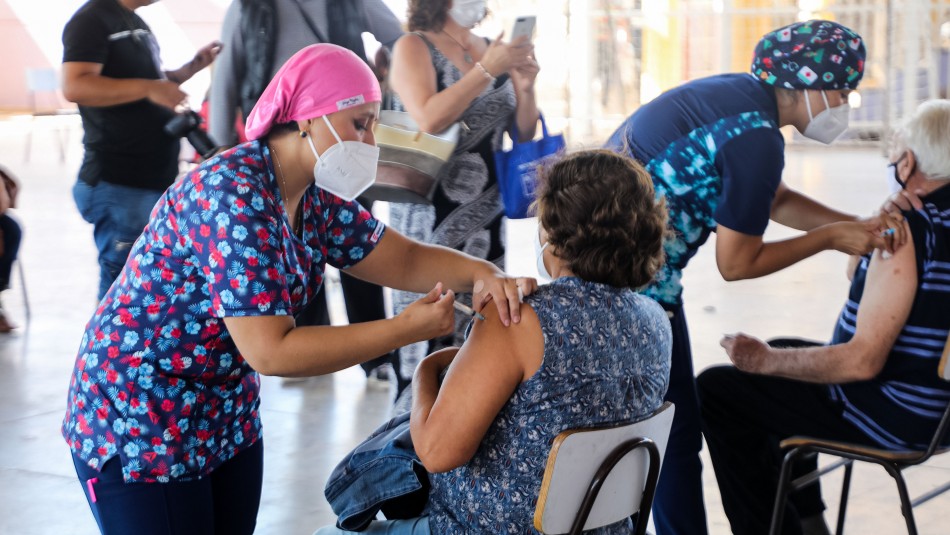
x: 781, y: 493
x: 843, y: 503
x: 906, y: 508
x: 26, y: 300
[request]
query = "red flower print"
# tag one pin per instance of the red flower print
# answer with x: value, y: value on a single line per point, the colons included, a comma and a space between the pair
x: 168, y: 405
x: 113, y: 352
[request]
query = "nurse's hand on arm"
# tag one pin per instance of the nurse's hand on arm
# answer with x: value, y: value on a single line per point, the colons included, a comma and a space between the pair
x: 449, y: 422
x: 744, y: 256
x: 903, y: 200
x: 274, y: 345
x: 405, y: 264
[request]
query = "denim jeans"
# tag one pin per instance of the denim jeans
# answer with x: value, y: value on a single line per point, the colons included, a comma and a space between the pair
x: 118, y: 214
x: 412, y: 526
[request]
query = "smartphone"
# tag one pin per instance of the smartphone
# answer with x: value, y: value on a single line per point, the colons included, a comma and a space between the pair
x: 523, y: 26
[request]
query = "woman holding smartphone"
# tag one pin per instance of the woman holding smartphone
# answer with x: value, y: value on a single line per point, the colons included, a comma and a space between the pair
x: 443, y: 73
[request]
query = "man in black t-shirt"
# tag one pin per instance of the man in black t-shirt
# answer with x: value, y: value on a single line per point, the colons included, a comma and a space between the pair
x: 112, y: 70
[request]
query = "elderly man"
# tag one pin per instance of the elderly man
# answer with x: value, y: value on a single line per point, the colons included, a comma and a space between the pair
x: 876, y: 383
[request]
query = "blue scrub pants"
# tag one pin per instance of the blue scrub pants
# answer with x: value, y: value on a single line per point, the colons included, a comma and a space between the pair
x: 678, y: 508
x: 224, y: 502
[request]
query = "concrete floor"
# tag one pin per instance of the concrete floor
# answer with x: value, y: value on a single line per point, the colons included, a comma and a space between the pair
x: 309, y: 425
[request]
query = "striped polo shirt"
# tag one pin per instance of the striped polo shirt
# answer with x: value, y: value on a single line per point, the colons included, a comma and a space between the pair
x: 900, y: 408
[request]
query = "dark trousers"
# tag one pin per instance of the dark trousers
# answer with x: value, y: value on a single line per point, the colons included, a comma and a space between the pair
x: 678, y: 508
x: 11, y: 246
x: 745, y: 417
x: 223, y: 503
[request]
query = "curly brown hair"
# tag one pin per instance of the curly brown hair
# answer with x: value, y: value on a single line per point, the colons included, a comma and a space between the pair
x: 427, y: 15
x: 602, y: 218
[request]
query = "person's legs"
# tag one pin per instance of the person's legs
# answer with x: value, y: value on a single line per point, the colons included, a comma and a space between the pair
x: 744, y: 418
x: 12, y: 235
x: 411, y: 526
x: 145, y: 508
x: 225, y: 503
x: 118, y: 215
x: 236, y: 487
x: 678, y: 506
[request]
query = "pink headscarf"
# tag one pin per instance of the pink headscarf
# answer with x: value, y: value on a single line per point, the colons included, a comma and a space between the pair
x: 316, y: 81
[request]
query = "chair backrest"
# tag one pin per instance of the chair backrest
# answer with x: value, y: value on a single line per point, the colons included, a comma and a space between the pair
x: 43, y: 84
x: 943, y: 370
x: 575, y: 458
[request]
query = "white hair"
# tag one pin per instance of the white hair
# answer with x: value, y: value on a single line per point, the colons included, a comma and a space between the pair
x: 927, y: 134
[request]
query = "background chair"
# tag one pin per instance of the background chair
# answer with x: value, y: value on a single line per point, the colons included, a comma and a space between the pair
x: 620, y: 465
x: 46, y: 101
x: 894, y: 462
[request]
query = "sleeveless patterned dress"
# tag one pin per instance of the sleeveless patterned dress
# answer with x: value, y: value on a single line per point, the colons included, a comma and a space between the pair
x: 467, y: 212
x: 606, y: 361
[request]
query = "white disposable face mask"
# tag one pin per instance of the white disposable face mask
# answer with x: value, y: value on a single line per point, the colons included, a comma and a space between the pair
x: 539, y: 254
x: 347, y: 168
x: 829, y: 124
x: 467, y: 13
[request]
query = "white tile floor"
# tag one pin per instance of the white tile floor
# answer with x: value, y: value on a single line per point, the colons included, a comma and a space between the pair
x: 310, y: 425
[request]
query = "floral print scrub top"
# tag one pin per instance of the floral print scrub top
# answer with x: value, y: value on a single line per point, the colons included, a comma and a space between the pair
x: 158, y: 380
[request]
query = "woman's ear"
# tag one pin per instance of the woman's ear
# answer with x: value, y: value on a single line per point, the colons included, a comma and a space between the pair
x: 304, y: 126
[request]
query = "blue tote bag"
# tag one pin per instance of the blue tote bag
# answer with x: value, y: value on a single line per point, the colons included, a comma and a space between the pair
x: 517, y: 169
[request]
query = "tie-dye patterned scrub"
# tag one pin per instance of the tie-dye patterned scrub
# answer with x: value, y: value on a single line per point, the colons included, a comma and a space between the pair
x: 715, y: 153
x: 158, y: 380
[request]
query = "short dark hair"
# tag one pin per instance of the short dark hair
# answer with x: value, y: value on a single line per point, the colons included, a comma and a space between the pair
x: 602, y: 218
x: 427, y: 15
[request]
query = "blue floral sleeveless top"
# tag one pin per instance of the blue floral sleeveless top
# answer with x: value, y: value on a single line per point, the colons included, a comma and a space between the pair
x: 606, y: 360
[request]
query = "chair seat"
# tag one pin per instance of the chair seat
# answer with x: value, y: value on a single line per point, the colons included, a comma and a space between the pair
x: 903, y: 456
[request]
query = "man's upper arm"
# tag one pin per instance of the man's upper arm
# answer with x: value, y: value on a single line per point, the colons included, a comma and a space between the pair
x: 751, y: 169
x: 889, y: 290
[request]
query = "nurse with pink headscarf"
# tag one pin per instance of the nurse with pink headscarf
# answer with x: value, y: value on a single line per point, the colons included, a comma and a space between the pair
x: 163, y: 418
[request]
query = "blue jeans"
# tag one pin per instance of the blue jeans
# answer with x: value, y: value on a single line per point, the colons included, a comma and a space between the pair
x: 678, y: 507
x: 412, y: 526
x: 118, y: 214
x: 224, y: 502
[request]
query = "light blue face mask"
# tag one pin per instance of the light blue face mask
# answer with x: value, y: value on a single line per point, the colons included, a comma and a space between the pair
x: 539, y: 254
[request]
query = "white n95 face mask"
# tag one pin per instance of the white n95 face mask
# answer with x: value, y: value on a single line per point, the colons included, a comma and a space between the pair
x: 347, y: 168
x: 467, y: 13
x: 539, y: 254
x: 829, y: 124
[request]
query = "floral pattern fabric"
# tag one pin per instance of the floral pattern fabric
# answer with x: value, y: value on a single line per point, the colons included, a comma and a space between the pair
x: 606, y: 360
x: 158, y: 380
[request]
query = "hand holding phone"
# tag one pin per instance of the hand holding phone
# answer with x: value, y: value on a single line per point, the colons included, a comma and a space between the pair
x: 524, y: 26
